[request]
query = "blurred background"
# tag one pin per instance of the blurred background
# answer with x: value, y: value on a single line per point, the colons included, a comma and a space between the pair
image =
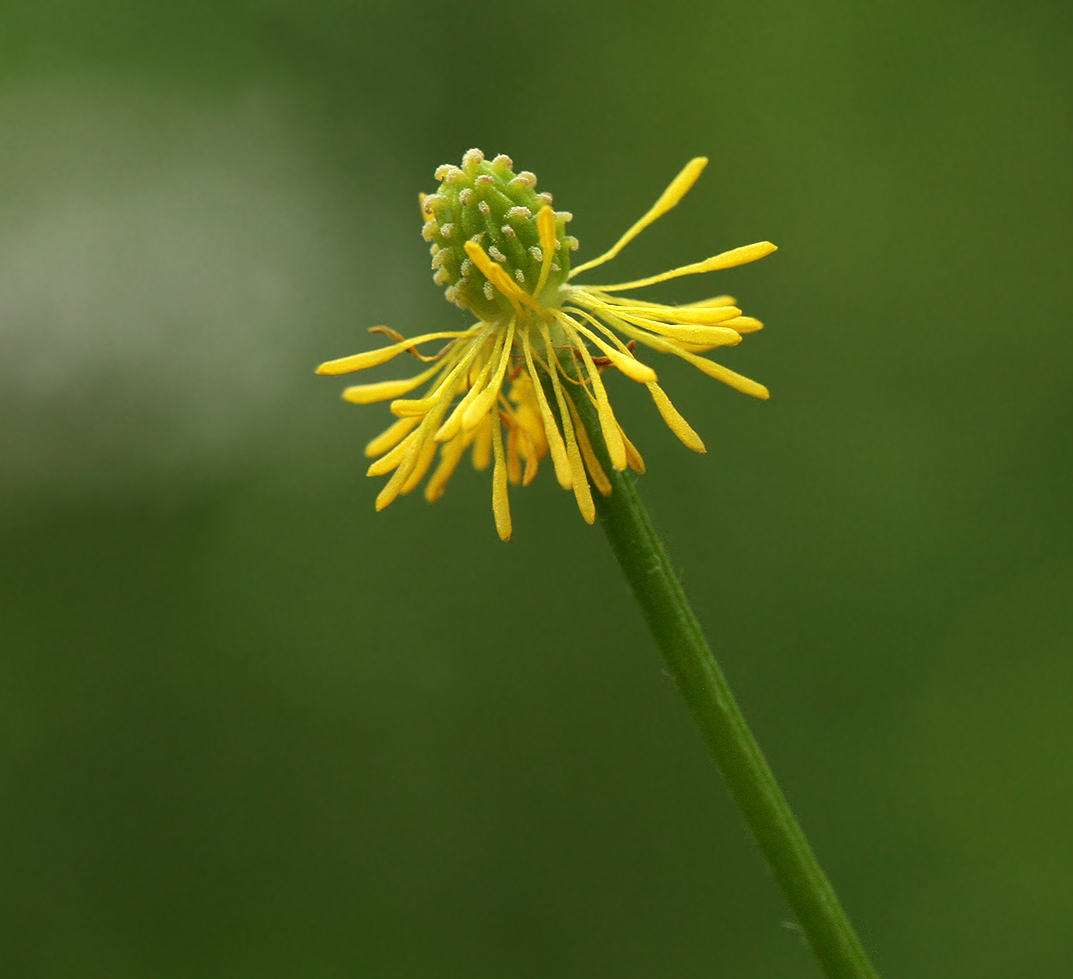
x: 250, y: 728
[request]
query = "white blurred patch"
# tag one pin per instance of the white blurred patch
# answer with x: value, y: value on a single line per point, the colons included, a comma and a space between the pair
x: 159, y: 263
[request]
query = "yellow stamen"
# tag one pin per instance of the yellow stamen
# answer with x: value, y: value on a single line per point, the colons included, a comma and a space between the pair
x: 637, y: 464
x: 727, y: 376
x: 714, y: 301
x: 580, y: 482
x: 705, y: 316
x: 418, y: 458
x: 499, y: 277
x: 715, y: 336
x: 599, y: 477
x: 724, y: 260
x: 615, y: 449
x: 744, y: 324
x: 676, y: 190
x: 445, y: 387
x: 372, y: 358
x: 548, y: 242
x: 367, y: 394
x: 421, y: 466
x: 675, y: 422
x: 627, y: 363
x: 514, y: 459
x: 394, y: 458
x: 559, y: 459
x: 500, y: 497
x: 449, y: 458
x: 484, y: 401
x: 391, y: 437
x: 482, y: 445
x: 450, y: 428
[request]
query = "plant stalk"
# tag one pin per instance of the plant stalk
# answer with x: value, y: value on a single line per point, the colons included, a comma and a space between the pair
x: 716, y: 713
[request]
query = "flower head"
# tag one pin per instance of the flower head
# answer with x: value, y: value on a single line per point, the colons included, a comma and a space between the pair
x: 500, y: 389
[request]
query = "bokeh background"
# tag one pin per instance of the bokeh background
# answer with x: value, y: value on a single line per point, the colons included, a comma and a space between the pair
x: 253, y: 729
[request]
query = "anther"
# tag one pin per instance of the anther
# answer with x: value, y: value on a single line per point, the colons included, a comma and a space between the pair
x: 428, y: 232
x: 545, y: 198
x: 497, y: 254
x: 563, y: 216
x: 442, y: 277
x: 464, y: 196
x: 520, y: 276
x: 484, y: 208
x: 484, y: 180
x: 447, y: 230
x: 502, y: 162
x: 519, y: 214
x: 466, y: 267
x: 529, y: 178
x: 509, y: 231
x: 489, y: 291
x: 537, y: 252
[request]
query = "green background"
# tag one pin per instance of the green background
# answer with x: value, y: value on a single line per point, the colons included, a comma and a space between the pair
x: 251, y: 728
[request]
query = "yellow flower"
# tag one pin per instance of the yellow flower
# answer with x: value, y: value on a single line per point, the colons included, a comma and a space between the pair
x: 504, y: 256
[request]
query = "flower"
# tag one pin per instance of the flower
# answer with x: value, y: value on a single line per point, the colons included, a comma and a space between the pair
x: 504, y: 255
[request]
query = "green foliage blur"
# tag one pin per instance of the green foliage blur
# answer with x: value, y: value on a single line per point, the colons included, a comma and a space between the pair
x: 252, y: 728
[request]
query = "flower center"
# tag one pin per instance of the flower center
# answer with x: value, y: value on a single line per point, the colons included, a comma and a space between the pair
x: 490, y: 204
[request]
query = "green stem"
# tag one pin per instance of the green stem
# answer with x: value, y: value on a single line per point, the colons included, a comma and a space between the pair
x: 715, y: 711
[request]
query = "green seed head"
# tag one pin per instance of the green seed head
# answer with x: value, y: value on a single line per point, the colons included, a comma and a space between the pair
x: 488, y: 203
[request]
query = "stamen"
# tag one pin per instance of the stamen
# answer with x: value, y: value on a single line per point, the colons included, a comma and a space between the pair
x: 450, y: 456
x: 677, y: 189
x: 675, y: 422
x: 500, y: 497
x: 559, y: 459
x: 373, y: 358
x: 484, y: 401
x: 498, y: 276
x: 615, y: 449
x: 367, y: 394
x: 725, y: 260
x: 548, y: 243
x: 390, y: 437
x: 580, y: 482
x: 596, y: 471
x: 482, y: 445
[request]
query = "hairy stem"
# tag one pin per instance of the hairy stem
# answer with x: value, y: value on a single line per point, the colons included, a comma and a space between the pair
x: 722, y: 725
